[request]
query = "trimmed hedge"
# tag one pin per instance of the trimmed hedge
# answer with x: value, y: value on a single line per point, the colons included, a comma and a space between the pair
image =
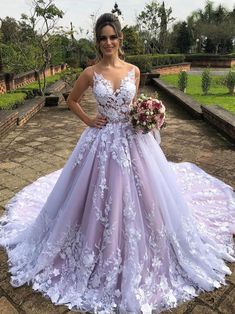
x: 12, y: 100
x: 208, y: 56
x: 147, y: 62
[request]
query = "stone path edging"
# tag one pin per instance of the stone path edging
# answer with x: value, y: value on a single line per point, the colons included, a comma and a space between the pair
x: 222, y: 119
x: 11, y: 118
x: 191, y: 105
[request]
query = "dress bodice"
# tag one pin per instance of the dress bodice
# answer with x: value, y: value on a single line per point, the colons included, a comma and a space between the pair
x: 114, y: 104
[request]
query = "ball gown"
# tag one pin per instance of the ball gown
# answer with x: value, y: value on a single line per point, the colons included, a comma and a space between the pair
x: 120, y: 229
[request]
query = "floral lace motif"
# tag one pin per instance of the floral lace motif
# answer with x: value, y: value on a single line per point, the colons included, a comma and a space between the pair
x: 123, y: 230
x: 115, y: 105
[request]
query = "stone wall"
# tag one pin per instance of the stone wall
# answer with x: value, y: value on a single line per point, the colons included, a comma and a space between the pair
x: 223, y: 63
x: 3, y: 87
x: 9, y: 81
x: 23, y: 79
x: 172, y: 69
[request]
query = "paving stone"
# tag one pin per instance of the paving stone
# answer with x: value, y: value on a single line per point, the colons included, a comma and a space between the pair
x: 63, y: 153
x: 25, y: 173
x: 6, y: 307
x: 231, y: 278
x: 16, y: 183
x: 227, y: 306
x: 38, y: 304
x: 3, y: 256
x: 19, y: 160
x: 181, y: 309
x: 6, y: 194
x: 3, y: 203
x: 214, y: 297
x: 8, y: 165
x: 43, y: 139
x: 203, y: 309
x: 24, y: 149
x: 33, y: 144
x: 75, y: 312
x: 18, y: 294
x: 4, y: 274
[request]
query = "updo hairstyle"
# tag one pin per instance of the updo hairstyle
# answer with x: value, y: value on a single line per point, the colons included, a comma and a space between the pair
x: 113, y: 21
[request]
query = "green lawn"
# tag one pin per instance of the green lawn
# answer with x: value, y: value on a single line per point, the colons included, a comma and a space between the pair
x: 218, y: 95
x: 17, y: 97
x: 49, y: 80
x: 8, y: 100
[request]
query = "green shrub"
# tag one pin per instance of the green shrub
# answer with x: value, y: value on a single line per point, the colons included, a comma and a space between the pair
x: 159, y: 60
x: 206, y: 81
x: 12, y: 100
x: 182, y: 80
x: 143, y: 62
x: 230, y: 81
x: 156, y: 60
x: 70, y: 75
x: 208, y: 56
x: 32, y: 88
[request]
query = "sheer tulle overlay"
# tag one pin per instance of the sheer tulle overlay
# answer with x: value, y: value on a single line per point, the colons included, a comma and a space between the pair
x: 120, y: 228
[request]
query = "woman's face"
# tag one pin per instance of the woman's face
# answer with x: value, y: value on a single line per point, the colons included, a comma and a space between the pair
x: 108, y: 41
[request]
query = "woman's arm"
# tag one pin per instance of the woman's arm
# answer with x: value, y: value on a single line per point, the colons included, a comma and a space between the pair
x: 80, y: 86
x: 137, y: 81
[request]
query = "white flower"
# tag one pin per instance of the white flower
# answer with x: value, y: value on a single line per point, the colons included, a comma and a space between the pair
x: 146, y: 309
x: 162, y: 109
x: 117, y: 293
x: 56, y: 272
x: 88, y: 259
x: 156, y: 262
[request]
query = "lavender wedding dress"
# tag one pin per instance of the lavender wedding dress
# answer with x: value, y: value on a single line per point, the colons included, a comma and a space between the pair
x: 120, y: 228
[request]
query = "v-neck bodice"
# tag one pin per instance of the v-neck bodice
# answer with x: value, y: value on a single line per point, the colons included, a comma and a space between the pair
x: 114, y: 104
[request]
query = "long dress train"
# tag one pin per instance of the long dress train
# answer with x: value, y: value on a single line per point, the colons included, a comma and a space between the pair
x: 119, y: 228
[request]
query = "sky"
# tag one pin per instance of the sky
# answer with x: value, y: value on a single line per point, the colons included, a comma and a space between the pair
x: 81, y: 12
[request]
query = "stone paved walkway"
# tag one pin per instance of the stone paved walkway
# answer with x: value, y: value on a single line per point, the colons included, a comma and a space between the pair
x: 44, y: 144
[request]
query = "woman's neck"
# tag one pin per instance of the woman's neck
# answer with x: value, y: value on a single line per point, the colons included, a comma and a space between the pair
x: 112, y: 61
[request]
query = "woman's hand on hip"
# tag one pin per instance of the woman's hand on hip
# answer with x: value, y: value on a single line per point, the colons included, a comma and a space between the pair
x: 98, y: 122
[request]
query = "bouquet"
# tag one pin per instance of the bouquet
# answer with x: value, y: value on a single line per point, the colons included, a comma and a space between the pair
x: 147, y: 113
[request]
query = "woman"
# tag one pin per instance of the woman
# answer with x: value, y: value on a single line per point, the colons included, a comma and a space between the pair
x: 122, y: 228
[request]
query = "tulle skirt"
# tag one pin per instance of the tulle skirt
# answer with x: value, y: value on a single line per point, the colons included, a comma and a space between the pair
x: 120, y: 228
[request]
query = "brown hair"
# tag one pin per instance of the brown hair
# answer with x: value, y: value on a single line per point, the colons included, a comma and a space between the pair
x: 111, y: 20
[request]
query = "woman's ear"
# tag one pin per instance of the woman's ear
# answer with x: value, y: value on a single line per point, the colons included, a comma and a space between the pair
x: 121, y: 36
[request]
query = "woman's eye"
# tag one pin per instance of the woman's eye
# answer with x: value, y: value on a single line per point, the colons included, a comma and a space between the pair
x: 104, y: 38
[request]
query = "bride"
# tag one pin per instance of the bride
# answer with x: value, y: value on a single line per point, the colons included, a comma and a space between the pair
x: 119, y: 228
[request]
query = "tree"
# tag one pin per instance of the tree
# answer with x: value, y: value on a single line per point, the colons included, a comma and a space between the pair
x: 132, y: 43
x: 153, y: 23
x: 216, y: 24
x: 183, y: 38
x: 19, y: 54
x: 86, y: 51
x: 9, y: 29
x: 116, y: 10
x: 165, y: 18
x: 42, y: 22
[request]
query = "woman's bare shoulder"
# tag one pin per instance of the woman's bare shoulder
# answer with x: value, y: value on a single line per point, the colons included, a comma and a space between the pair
x: 88, y: 73
x: 130, y: 66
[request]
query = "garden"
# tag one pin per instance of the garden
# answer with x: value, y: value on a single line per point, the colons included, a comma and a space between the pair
x: 206, y: 89
x: 156, y: 40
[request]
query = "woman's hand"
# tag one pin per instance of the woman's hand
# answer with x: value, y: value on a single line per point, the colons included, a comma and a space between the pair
x: 97, y: 122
